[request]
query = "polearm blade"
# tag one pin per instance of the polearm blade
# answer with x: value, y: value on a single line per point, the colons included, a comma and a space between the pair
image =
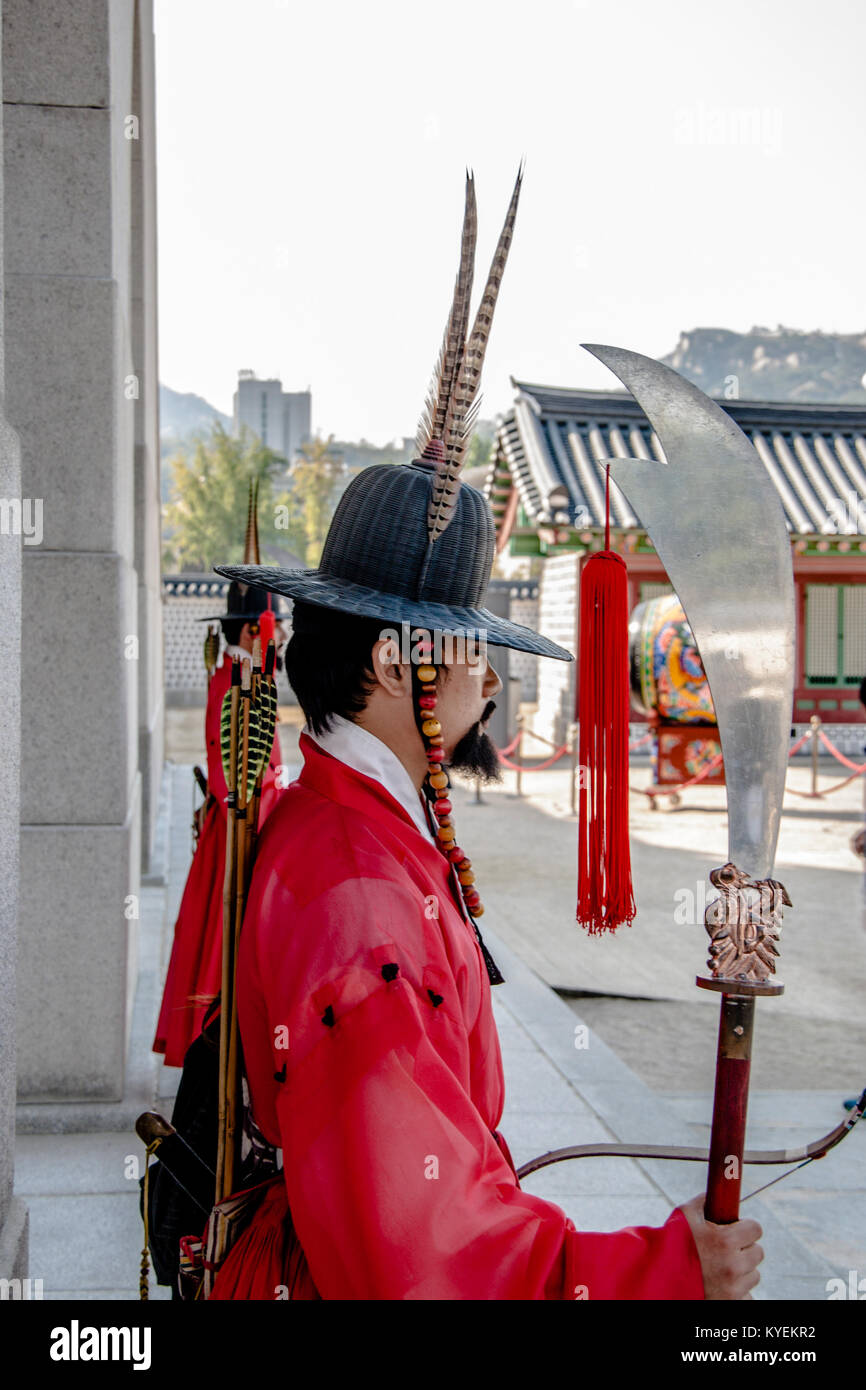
x: 718, y: 527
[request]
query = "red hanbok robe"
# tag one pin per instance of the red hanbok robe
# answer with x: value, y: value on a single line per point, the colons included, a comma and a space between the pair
x: 373, y: 1062
x: 195, y: 969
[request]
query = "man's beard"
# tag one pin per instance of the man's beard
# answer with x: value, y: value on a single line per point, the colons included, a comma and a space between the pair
x: 475, y: 754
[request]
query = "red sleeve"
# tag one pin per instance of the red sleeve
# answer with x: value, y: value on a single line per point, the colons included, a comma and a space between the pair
x: 397, y: 1187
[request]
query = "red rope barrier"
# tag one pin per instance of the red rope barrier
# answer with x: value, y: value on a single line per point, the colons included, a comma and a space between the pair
x: 840, y: 757
x: 679, y: 786
x: 511, y: 746
x: 795, y: 748
x: 539, y: 767
x: 857, y: 769
x: 530, y: 733
x: 827, y: 790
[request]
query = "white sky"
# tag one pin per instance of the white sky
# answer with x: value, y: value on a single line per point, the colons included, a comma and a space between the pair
x: 687, y: 164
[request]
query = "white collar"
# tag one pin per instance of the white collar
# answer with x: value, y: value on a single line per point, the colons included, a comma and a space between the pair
x: 231, y: 652
x: 363, y: 751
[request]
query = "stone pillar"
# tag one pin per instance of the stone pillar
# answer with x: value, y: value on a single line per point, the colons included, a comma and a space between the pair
x: 72, y: 351
x: 151, y: 683
x: 13, y: 1212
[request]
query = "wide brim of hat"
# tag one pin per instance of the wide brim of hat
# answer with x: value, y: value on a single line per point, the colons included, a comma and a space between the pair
x: 279, y: 614
x: 329, y: 591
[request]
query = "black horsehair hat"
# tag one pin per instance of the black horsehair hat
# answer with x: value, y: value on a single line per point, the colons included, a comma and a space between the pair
x: 408, y: 543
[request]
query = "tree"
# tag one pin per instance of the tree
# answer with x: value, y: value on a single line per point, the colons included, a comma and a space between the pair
x: 317, y: 481
x: 205, y: 519
x: 480, y: 450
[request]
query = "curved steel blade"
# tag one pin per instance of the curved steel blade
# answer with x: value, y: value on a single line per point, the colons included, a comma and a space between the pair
x: 718, y: 528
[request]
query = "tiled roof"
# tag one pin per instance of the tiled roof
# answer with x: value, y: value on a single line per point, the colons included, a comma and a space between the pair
x: 549, y: 444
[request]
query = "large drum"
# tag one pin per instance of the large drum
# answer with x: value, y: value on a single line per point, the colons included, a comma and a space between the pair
x: 667, y: 678
x: 669, y: 686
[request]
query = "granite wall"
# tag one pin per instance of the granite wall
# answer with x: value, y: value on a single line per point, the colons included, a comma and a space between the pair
x: 81, y: 379
x: 13, y: 1212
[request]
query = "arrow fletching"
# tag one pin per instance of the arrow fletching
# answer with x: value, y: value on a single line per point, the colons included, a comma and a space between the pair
x: 211, y: 650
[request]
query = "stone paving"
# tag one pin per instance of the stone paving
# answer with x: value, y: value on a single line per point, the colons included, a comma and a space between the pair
x: 76, y: 1165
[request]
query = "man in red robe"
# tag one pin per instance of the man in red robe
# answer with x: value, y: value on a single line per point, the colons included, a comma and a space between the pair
x: 372, y: 1054
x: 363, y: 981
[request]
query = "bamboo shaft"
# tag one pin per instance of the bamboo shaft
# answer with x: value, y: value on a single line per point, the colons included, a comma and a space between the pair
x: 229, y: 899
x: 232, y: 1141
x: 229, y: 895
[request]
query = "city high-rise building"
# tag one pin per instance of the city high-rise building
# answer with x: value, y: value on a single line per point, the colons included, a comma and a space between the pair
x: 281, y: 419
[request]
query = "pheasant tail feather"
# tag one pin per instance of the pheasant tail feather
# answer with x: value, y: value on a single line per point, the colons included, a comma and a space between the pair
x: 461, y: 411
x: 432, y: 423
x: 251, y: 538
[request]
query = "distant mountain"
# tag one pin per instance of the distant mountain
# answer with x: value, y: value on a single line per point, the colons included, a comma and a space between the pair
x: 180, y: 416
x: 181, y: 413
x: 782, y: 364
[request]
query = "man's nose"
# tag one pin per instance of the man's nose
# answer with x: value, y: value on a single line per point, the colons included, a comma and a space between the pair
x: 492, y: 683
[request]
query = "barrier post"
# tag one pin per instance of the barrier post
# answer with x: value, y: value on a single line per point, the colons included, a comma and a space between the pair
x: 520, y: 755
x: 815, y: 721
x: 478, y: 789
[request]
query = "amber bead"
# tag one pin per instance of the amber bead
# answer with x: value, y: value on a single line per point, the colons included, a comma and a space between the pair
x: 446, y: 832
x: 431, y: 727
x: 466, y: 876
x: 438, y: 779
x: 478, y: 910
x: 426, y: 674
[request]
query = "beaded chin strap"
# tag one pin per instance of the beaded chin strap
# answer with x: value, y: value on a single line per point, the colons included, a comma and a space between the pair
x: 436, y: 787
x: 437, y: 783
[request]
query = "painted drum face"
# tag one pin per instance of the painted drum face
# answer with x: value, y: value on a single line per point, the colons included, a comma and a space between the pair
x: 667, y: 678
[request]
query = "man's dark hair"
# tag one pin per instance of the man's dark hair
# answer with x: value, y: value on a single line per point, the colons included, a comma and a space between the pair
x: 232, y: 629
x: 328, y: 662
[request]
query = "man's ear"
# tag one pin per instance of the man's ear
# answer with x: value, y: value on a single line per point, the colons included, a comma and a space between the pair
x: 391, y: 674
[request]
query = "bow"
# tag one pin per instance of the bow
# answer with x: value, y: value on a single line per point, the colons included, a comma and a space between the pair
x: 798, y: 1157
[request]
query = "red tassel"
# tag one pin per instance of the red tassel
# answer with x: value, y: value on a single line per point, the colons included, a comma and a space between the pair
x: 604, y: 889
x: 266, y: 627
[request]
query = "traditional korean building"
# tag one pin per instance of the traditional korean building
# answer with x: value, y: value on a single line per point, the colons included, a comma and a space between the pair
x: 546, y: 488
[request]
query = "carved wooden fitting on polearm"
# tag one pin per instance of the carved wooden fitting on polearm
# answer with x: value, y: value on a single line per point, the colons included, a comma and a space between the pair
x: 744, y: 924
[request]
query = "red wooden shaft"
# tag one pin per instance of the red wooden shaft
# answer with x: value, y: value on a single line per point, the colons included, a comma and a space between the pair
x: 728, y: 1140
